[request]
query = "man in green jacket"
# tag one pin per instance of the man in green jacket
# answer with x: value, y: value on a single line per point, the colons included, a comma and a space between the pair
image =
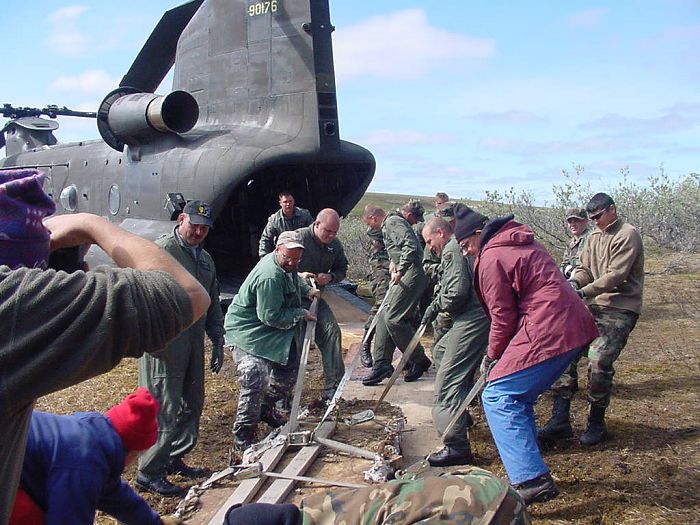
x: 175, y: 376
x: 263, y: 324
x: 288, y: 217
x: 459, y: 352
x: 610, y: 278
x: 394, y: 328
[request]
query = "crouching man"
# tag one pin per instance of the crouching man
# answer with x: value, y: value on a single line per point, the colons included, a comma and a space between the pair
x: 263, y: 325
x: 73, y: 465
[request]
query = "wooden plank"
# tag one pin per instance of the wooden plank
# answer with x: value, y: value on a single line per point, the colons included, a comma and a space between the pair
x: 248, y: 488
x: 278, y: 490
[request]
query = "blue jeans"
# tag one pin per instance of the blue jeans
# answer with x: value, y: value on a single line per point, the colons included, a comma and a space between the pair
x: 509, y: 406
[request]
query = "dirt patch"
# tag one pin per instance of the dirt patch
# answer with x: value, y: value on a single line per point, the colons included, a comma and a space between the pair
x: 648, y: 472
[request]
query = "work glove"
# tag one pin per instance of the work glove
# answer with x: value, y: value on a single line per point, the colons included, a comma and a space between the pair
x: 217, y: 359
x: 487, y: 364
x: 171, y: 520
x: 430, y: 315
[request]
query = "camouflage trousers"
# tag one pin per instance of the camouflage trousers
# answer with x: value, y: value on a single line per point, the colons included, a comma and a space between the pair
x: 379, y: 280
x: 262, y: 383
x: 467, y: 496
x: 615, y: 327
x: 457, y: 358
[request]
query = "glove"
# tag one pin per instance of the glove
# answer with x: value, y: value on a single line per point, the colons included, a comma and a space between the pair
x: 429, y: 315
x: 217, y: 359
x: 486, y: 365
x: 171, y: 520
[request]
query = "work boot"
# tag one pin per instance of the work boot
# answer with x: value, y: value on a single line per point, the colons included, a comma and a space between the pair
x: 159, y: 486
x: 179, y: 467
x: 273, y: 417
x: 328, y: 393
x: 366, y: 351
x: 596, y: 431
x: 537, y: 490
x: 377, y: 375
x: 243, y: 438
x: 416, y: 369
x: 559, y: 425
x: 452, y: 455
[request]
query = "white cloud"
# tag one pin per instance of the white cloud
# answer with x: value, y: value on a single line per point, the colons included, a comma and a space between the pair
x: 404, y: 45
x: 587, y: 18
x: 64, y: 37
x: 90, y: 82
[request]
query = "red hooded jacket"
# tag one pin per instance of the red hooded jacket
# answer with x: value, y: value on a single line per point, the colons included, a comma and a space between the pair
x: 535, y: 313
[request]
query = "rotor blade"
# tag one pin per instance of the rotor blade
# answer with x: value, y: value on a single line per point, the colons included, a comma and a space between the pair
x: 157, y: 55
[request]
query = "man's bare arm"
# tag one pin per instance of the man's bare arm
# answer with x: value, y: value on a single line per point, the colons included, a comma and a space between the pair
x: 126, y: 249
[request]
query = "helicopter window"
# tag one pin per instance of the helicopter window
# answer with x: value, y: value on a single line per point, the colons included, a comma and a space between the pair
x: 69, y: 198
x: 114, y: 199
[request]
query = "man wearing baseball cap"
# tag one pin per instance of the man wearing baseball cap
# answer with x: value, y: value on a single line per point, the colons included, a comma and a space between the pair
x: 577, y: 224
x: 176, y: 374
x: 73, y: 465
x: 263, y: 324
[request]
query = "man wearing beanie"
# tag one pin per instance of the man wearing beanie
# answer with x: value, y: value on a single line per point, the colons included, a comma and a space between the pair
x: 91, y: 319
x: 73, y: 464
x: 538, y: 326
x: 176, y: 375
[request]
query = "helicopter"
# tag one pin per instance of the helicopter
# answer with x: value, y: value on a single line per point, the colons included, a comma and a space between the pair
x: 252, y: 112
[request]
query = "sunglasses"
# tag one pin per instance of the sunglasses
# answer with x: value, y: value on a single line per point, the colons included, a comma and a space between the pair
x: 598, y: 215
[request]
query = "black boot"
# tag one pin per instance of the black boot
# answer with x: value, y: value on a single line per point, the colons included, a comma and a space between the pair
x: 377, y: 375
x: 366, y: 350
x: 452, y: 455
x: 596, y: 430
x: 416, y: 369
x: 542, y: 488
x: 159, y: 486
x: 559, y: 425
x: 273, y: 417
x: 243, y: 438
x: 179, y: 467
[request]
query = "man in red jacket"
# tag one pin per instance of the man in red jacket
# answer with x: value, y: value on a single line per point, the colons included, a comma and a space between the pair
x: 538, y: 326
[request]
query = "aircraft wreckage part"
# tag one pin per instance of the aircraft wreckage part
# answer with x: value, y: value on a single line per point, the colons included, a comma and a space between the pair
x: 127, y: 116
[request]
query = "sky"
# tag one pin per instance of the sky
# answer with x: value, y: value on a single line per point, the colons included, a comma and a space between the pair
x: 458, y: 96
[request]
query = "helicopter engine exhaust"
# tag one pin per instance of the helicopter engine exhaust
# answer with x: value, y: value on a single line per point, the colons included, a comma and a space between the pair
x: 129, y: 117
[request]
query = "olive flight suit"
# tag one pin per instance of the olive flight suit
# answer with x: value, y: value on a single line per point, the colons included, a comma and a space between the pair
x: 459, y: 352
x: 175, y: 375
x: 394, y: 327
x: 321, y: 258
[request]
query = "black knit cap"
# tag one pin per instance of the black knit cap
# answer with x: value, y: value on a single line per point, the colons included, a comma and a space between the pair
x: 468, y: 221
x: 263, y: 514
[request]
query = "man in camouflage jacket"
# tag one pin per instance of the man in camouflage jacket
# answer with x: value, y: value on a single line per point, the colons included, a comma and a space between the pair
x: 289, y: 217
